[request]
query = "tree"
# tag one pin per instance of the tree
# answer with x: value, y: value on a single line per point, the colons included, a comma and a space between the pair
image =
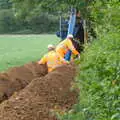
x: 7, y: 20
x: 26, y: 7
x: 5, y: 4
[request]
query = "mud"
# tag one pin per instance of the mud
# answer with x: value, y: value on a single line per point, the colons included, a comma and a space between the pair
x: 17, y: 78
x: 41, y: 96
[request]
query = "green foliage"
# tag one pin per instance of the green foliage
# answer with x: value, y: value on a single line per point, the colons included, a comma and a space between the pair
x: 104, y: 15
x: 16, y: 20
x: 26, y: 7
x: 5, y: 4
x: 43, y: 23
x: 7, y: 21
x: 99, y: 81
x: 100, y: 72
x: 99, y: 76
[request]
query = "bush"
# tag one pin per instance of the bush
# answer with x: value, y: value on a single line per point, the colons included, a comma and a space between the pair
x: 7, y: 21
x: 43, y: 23
x: 99, y: 77
x: 99, y: 81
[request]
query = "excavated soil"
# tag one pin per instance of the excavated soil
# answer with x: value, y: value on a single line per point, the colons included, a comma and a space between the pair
x: 41, y: 96
x: 17, y: 78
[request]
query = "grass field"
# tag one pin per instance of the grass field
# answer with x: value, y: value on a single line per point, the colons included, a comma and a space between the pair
x: 17, y: 50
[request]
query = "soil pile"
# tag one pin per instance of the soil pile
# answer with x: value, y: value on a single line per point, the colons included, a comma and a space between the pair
x: 17, y: 78
x: 41, y: 96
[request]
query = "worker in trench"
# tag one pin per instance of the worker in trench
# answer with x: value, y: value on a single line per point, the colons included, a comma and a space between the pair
x: 52, y: 59
x: 66, y: 47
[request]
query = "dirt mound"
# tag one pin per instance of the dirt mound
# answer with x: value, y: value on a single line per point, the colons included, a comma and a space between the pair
x: 4, y: 85
x: 41, y: 96
x: 36, y: 69
x: 18, y: 77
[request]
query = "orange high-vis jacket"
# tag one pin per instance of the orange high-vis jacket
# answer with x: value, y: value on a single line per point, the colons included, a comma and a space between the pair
x: 52, y: 59
x: 64, y: 46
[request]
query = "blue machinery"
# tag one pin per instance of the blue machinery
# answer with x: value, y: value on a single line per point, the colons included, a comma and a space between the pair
x: 67, y: 26
x: 71, y: 26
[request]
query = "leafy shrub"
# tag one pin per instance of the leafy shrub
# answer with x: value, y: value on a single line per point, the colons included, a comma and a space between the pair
x: 99, y: 81
x: 99, y: 76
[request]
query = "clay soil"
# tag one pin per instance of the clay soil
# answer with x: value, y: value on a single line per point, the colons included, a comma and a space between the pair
x: 41, y: 96
x: 17, y: 78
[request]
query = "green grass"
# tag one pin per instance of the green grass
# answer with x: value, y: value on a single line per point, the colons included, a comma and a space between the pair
x: 17, y: 50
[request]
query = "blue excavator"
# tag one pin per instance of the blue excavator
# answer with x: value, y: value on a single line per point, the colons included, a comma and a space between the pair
x: 72, y: 25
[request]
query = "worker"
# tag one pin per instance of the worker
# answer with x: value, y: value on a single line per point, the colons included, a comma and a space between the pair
x: 65, y: 46
x: 52, y: 58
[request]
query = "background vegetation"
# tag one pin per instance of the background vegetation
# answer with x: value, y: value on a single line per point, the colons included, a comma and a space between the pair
x: 13, y: 22
x: 98, y: 81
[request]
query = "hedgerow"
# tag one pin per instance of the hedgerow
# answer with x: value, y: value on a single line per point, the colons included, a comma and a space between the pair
x: 99, y: 69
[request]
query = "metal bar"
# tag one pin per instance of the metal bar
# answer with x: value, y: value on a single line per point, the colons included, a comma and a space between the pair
x: 61, y: 27
x: 72, y: 21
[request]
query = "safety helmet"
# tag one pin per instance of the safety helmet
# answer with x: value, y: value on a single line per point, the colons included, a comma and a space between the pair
x: 69, y: 36
x: 50, y: 46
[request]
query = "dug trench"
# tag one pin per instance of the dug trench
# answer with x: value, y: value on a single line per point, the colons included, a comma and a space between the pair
x: 15, y: 79
x: 41, y: 96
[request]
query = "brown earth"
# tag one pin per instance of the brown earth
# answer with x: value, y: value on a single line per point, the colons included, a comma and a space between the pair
x: 17, y: 78
x: 41, y: 96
